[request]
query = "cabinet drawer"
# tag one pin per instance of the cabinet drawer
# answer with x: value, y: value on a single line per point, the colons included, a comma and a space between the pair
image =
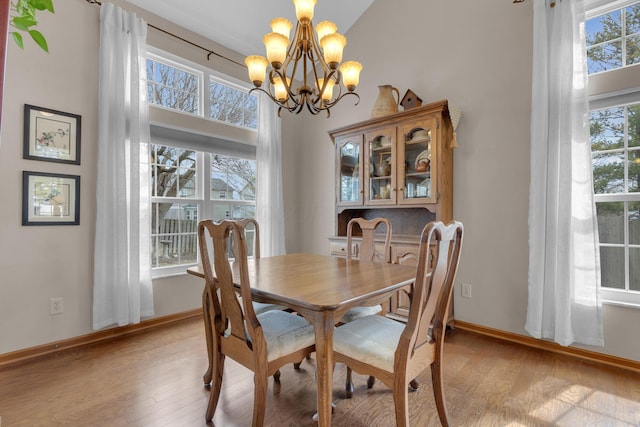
x: 338, y: 249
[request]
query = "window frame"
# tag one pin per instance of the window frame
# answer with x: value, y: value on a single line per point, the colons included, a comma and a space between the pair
x: 217, y: 138
x: 610, y: 89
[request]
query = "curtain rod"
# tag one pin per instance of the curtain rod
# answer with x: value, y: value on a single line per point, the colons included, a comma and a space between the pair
x: 209, y: 51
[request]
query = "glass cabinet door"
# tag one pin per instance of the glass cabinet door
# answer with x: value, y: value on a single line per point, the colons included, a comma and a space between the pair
x: 349, y: 163
x: 419, y: 159
x: 380, y: 167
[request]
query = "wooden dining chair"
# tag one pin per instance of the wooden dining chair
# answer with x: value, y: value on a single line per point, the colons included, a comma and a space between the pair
x: 262, y: 343
x: 367, y: 252
x: 395, y: 352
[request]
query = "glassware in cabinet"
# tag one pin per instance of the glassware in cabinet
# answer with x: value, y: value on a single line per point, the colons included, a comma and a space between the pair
x: 380, y: 166
x: 418, y: 151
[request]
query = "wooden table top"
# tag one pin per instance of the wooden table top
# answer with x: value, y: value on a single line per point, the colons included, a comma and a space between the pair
x: 321, y: 282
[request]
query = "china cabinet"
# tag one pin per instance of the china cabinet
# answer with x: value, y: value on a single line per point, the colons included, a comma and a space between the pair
x: 400, y: 167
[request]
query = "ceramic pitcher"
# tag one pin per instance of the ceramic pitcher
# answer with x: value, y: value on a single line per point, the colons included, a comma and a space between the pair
x: 386, y: 103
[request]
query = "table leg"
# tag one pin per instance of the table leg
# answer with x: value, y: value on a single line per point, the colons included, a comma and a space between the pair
x: 323, y: 326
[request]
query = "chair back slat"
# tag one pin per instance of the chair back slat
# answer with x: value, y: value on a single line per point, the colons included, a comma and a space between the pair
x: 239, y: 320
x: 367, y: 250
x: 438, y: 260
x: 248, y: 225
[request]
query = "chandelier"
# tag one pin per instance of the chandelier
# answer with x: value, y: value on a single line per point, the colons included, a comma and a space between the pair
x: 318, y: 62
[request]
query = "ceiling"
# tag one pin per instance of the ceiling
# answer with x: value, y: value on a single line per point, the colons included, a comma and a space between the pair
x: 241, y: 24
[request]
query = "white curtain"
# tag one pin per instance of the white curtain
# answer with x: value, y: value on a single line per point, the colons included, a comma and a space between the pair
x: 269, y: 200
x: 122, y: 291
x: 564, y: 266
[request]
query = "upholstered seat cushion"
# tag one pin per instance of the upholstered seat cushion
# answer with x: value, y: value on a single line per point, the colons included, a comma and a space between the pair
x: 285, y: 333
x: 358, y: 312
x: 371, y: 339
x: 260, y: 307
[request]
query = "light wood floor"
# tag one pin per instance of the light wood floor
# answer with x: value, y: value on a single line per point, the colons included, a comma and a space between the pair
x: 155, y: 379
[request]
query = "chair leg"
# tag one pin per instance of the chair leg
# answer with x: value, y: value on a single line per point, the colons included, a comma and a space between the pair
x: 216, y: 384
x: 371, y: 381
x: 348, y: 384
x: 259, y: 398
x: 414, y: 384
x: 438, y: 392
x: 276, y: 376
x: 401, y: 403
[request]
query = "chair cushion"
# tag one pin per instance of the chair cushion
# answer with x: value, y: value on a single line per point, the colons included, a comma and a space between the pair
x: 260, y: 307
x: 285, y: 333
x: 371, y: 339
x: 358, y: 312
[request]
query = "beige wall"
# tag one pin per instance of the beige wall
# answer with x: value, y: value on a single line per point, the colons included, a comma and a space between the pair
x: 475, y: 54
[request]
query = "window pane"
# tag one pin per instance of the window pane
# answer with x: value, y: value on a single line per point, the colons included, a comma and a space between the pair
x: 169, y: 180
x: 604, y: 57
x: 607, y: 129
x: 235, y: 176
x: 251, y: 112
x: 603, y: 28
x: 611, y: 222
x: 633, y: 118
x: 633, y: 19
x: 634, y: 269
x: 174, y: 234
x: 232, y: 105
x: 608, y: 173
x: 634, y: 225
x: 612, y: 267
x: 172, y: 87
x: 232, y: 211
x: 634, y: 172
x: 633, y: 50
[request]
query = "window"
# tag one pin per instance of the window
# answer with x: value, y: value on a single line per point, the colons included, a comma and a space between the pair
x: 613, y: 39
x: 180, y: 198
x: 613, y: 44
x: 196, y: 175
x: 174, y: 85
x: 232, y: 105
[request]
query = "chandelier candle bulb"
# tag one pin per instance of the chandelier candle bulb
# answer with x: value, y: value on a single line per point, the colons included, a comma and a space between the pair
x: 332, y: 46
x: 276, y: 45
x: 257, y: 66
x: 281, y: 26
x: 280, y: 89
x: 351, y: 74
x: 304, y: 9
x: 325, y: 28
x: 327, y: 93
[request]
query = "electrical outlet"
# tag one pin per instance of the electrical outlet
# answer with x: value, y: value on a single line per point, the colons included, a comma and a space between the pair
x: 466, y: 290
x: 56, y: 305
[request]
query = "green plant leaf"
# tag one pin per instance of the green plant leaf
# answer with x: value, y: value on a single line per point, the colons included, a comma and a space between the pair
x: 42, y: 4
x: 17, y: 37
x: 48, y: 5
x: 39, y: 39
x: 24, y: 22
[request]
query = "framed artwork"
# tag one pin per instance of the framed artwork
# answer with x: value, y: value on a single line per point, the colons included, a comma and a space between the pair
x: 50, y: 199
x: 51, y: 136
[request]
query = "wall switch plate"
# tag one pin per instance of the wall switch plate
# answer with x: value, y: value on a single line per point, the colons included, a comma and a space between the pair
x: 56, y: 305
x: 466, y: 290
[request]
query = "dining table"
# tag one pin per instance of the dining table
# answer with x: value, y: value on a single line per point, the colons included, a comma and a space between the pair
x: 321, y: 288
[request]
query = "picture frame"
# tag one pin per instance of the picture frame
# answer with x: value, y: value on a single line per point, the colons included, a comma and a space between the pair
x: 50, y: 199
x: 51, y: 135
